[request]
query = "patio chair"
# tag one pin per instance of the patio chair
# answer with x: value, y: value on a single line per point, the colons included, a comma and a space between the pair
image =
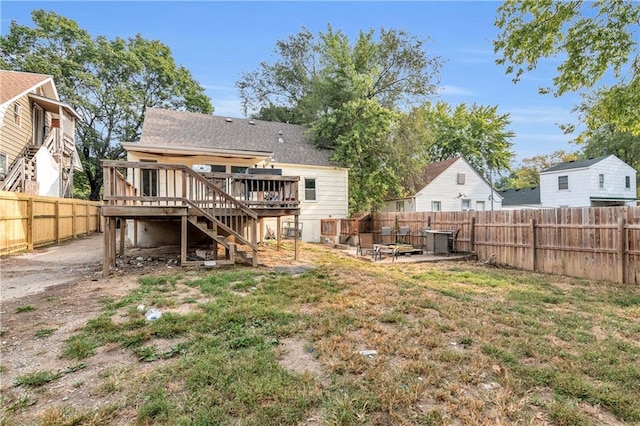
x: 386, y: 236
x: 365, y: 245
x: 452, y: 241
x: 403, y: 235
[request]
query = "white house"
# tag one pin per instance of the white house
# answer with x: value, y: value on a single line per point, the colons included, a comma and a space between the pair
x: 450, y: 185
x: 232, y: 146
x: 594, y: 182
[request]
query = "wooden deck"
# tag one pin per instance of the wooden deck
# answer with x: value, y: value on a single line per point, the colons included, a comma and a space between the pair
x: 219, y: 205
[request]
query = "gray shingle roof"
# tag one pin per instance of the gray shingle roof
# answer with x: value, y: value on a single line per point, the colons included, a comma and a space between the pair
x: 521, y: 196
x: 577, y: 164
x: 175, y: 129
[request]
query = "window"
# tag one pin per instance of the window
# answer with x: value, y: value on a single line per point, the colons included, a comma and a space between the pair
x: 3, y: 165
x: 209, y: 168
x: 601, y: 181
x: 436, y: 206
x: 480, y: 206
x: 627, y: 182
x: 399, y: 206
x: 17, y: 114
x: 563, y: 182
x: 218, y: 168
x: 460, y: 179
x: 309, y: 189
x: 466, y: 205
x: 149, y: 180
x: 238, y: 169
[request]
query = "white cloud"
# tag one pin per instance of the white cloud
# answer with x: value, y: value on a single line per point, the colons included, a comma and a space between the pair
x: 450, y: 90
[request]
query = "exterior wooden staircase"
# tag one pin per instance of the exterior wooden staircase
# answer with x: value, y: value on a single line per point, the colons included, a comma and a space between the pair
x: 224, y: 220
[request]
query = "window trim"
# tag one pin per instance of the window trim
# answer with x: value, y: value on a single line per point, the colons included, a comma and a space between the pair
x: 400, y: 206
x: 627, y: 182
x: 17, y: 114
x: 601, y: 181
x: 460, y: 178
x: 462, y: 203
x: 4, y: 164
x: 436, y: 203
x: 315, y: 189
x: 560, y: 184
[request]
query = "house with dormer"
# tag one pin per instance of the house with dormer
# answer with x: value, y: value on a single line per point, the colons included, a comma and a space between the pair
x: 37, y: 138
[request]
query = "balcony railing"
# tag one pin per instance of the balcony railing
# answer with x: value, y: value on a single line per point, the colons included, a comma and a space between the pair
x: 259, y: 191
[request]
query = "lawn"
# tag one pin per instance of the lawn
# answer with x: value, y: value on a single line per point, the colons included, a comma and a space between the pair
x: 448, y: 343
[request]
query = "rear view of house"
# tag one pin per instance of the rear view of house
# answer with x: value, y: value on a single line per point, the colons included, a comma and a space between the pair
x: 37, y: 142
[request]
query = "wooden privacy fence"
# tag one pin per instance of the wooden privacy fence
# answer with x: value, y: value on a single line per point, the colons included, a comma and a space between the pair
x: 28, y: 221
x: 601, y: 243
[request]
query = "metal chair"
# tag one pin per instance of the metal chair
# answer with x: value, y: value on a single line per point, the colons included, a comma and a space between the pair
x: 365, y: 245
x: 386, y: 235
x: 452, y: 241
x: 403, y: 234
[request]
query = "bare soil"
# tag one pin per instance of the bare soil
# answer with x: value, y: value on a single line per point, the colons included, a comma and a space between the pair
x: 55, y: 291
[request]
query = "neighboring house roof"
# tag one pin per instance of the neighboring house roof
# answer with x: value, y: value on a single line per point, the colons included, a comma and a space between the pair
x: 14, y: 84
x: 520, y: 196
x: 177, y: 129
x: 575, y: 164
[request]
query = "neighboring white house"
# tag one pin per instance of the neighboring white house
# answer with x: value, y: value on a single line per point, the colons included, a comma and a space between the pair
x: 208, y: 143
x: 450, y: 185
x: 594, y: 182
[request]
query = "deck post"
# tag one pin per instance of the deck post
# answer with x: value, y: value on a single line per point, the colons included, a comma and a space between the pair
x: 183, y: 240
x: 107, y: 251
x: 123, y: 229
x: 112, y: 242
x: 295, y: 243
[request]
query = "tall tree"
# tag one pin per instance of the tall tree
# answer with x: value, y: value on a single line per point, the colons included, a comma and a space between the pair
x: 527, y: 174
x: 109, y: 82
x: 593, y: 38
x: 348, y: 93
x: 479, y: 133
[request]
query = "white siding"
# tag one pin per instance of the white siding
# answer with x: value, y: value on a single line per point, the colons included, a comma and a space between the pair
x: 391, y: 206
x: 584, y: 184
x: 450, y: 194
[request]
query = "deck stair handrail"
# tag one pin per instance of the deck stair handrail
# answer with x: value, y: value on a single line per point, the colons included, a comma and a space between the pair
x: 174, y: 185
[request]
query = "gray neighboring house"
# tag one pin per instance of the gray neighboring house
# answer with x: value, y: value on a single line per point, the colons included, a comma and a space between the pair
x: 208, y: 143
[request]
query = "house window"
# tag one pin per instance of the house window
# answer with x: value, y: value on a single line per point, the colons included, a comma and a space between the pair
x: 3, y: 165
x: 563, y: 182
x: 309, y: 189
x: 466, y: 205
x: 399, y: 206
x: 601, y: 181
x: 218, y: 168
x: 238, y: 169
x: 460, y: 179
x: 17, y: 114
x: 480, y: 206
x: 436, y: 206
x: 209, y: 168
x: 627, y: 182
x: 149, y: 180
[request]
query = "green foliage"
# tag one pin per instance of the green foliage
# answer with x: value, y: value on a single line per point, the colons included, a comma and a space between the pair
x: 477, y: 133
x: 527, y: 175
x: 38, y: 378
x: 25, y: 308
x: 109, y: 83
x: 593, y: 39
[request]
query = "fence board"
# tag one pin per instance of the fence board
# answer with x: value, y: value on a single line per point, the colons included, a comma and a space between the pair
x: 601, y: 243
x: 28, y: 221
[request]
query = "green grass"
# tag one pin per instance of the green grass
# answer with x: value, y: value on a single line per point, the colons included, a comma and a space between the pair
x: 26, y: 308
x: 37, y: 378
x: 456, y: 343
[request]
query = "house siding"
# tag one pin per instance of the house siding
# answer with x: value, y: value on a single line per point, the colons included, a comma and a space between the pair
x: 584, y: 184
x: 445, y: 189
x: 13, y: 138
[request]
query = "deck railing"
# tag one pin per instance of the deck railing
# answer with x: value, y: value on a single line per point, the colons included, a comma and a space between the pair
x: 259, y: 191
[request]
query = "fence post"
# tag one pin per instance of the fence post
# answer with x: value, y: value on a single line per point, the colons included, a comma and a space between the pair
x: 30, y: 223
x: 57, y: 220
x: 621, y: 246
x: 532, y: 235
x: 472, y: 234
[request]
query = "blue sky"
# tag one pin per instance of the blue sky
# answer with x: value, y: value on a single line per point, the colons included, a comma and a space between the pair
x: 217, y: 41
